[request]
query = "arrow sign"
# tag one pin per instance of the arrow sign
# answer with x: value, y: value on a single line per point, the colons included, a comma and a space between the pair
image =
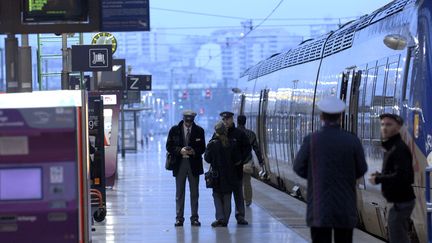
x: 139, y: 82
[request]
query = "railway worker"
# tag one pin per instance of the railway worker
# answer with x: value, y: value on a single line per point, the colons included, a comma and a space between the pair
x: 219, y: 153
x: 241, y: 144
x: 331, y: 160
x: 186, y: 143
x: 396, y: 178
x: 248, y: 167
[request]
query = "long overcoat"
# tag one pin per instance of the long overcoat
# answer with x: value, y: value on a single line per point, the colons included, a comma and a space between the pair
x: 331, y: 160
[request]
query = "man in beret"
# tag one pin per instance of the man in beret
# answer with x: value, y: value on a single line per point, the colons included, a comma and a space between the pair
x: 331, y: 160
x: 241, y: 143
x: 186, y: 143
x: 396, y: 178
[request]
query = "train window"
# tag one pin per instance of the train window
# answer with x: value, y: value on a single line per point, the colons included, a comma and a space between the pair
x: 378, y: 102
x: 361, y: 100
x: 392, y: 81
x: 369, y: 87
x: 366, y: 109
x: 379, y: 86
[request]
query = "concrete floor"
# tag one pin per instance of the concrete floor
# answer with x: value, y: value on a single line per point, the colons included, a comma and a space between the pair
x: 141, y: 208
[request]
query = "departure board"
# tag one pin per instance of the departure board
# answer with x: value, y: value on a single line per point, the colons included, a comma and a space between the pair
x: 54, y: 10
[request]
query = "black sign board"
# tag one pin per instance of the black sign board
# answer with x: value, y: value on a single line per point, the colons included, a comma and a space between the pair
x: 75, y: 84
x: 139, y: 82
x: 92, y: 58
x: 115, y: 79
x: 49, y: 16
x: 132, y: 97
x: 96, y: 143
x: 125, y: 15
x: 55, y: 10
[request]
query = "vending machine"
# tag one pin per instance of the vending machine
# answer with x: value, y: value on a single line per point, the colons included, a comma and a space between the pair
x: 44, y: 178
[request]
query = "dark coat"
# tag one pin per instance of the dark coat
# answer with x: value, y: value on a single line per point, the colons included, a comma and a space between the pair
x: 331, y: 159
x: 175, y: 142
x: 242, y: 149
x: 397, y: 174
x: 221, y: 160
x: 254, y: 143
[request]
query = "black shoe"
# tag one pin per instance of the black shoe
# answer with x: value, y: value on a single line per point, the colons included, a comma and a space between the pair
x: 242, y: 222
x: 218, y: 223
x: 248, y: 204
x: 178, y: 223
x: 195, y: 222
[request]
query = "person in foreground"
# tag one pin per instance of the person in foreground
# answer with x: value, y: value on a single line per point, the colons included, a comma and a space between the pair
x: 331, y: 160
x: 219, y: 154
x: 186, y: 143
x: 396, y: 178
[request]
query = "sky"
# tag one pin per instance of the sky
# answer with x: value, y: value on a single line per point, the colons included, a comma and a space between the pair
x: 289, y: 14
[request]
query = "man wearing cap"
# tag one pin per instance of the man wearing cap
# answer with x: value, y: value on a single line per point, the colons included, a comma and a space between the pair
x: 247, y: 186
x: 331, y: 160
x: 396, y: 178
x: 186, y: 143
x: 241, y: 143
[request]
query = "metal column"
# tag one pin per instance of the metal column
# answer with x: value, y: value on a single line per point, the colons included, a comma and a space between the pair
x: 11, y: 46
x: 64, y: 72
x: 25, y: 66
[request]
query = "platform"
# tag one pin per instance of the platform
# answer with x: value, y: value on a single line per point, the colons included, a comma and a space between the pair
x: 141, y: 208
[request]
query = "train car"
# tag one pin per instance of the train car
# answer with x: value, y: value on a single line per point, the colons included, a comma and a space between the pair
x: 378, y: 63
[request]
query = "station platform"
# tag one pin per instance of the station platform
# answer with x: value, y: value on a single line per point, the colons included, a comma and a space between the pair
x: 141, y: 208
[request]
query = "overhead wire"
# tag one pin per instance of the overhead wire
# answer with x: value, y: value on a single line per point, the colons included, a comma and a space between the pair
x: 244, y: 18
x: 250, y: 31
x: 237, y: 27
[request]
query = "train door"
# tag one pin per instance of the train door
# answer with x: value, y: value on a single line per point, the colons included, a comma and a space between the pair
x: 349, y: 93
x: 261, y: 123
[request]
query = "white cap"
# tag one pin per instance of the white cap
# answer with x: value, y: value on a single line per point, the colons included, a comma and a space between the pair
x: 331, y: 105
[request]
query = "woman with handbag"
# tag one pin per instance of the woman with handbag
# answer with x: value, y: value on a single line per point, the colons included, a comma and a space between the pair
x: 219, y: 154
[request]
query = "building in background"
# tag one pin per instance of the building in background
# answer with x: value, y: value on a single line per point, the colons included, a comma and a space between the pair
x: 239, y: 52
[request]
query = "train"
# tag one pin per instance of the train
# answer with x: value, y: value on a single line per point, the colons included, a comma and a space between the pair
x: 378, y: 63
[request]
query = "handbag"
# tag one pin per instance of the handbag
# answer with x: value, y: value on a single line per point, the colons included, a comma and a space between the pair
x: 170, y: 161
x: 248, y: 167
x: 211, y: 177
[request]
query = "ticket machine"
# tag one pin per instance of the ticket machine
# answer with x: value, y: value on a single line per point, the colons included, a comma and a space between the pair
x: 44, y: 179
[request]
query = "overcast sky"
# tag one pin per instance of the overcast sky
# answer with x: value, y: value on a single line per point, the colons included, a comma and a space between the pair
x: 252, y: 9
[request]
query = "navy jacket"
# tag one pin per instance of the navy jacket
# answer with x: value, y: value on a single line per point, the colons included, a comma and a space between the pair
x: 242, y: 149
x: 221, y: 160
x: 331, y: 160
x: 175, y: 142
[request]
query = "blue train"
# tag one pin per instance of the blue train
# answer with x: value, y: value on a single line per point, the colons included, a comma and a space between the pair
x: 381, y: 62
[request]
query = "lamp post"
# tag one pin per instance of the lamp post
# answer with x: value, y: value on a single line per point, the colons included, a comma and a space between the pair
x: 171, y: 98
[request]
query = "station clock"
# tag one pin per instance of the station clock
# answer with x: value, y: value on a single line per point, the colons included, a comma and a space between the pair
x: 105, y: 38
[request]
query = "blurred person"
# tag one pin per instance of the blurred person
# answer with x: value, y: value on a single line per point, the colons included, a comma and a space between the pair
x: 396, y: 178
x: 241, y: 145
x: 219, y: 153
x: 186, y: 143
x: 331, y: 160
x: 248, y: 167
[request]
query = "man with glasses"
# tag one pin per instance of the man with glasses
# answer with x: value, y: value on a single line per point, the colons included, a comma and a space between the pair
x: 186, y: 143
x: 241, y: 143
